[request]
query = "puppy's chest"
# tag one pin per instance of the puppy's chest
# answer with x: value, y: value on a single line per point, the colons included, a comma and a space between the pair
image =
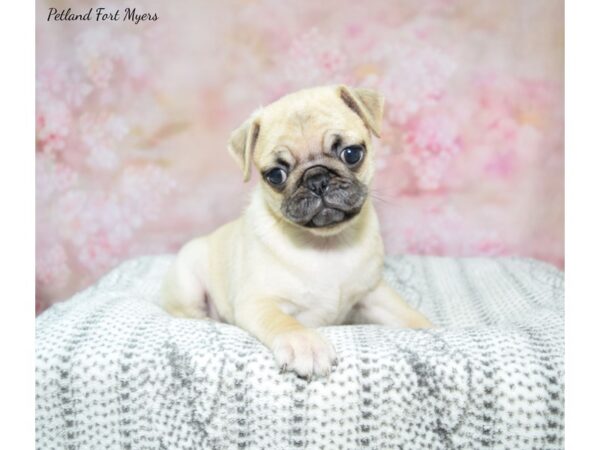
x: 322, y: 291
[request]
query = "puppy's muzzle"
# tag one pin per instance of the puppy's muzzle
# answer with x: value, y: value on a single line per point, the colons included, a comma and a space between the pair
x: 316, y: 179
x: 324, y: 198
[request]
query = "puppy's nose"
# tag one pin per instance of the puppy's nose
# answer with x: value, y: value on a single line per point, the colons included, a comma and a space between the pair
x: 316, y: 179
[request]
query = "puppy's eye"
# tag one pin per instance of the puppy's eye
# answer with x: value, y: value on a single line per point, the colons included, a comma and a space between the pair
x: 352, y: 155
x: 276, y: 176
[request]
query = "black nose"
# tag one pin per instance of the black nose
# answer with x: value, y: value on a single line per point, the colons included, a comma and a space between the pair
x: 317, y: 179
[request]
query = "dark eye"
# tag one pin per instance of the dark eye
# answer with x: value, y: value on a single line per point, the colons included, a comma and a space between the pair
x: 352, y: 155
x: 276, y: 176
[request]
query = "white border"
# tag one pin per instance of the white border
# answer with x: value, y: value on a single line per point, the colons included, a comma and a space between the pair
x: 17, y: 232
x: 582, y: 224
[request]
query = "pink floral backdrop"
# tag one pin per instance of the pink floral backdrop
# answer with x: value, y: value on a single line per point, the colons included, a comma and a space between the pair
x: 132, y: 122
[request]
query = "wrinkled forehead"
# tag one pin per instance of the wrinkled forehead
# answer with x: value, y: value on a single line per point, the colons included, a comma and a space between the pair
x: 307, y: 130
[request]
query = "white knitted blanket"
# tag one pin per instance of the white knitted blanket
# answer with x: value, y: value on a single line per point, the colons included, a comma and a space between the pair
x: 115, y: 371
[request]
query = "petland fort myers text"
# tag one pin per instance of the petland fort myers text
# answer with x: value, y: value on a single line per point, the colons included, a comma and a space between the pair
x: 101, y: 15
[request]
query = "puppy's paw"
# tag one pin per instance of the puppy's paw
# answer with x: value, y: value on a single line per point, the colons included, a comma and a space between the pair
x: 420, y: 321
x: 305, y: 352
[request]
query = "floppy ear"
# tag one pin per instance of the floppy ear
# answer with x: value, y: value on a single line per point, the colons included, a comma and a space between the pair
x: 242, y: 142
x: 367, y: 103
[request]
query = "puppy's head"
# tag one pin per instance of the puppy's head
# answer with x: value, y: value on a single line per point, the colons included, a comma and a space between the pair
x: 313, y: 151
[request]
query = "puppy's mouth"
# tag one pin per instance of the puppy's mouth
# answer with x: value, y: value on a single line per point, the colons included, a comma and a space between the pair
x: 328, y: 217
x: 332, y: 203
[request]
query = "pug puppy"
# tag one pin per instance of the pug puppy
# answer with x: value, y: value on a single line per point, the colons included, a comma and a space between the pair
x: 307, y: 251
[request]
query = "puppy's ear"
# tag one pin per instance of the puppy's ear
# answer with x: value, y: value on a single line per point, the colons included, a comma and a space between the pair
x: 368, y: 104
x: 242, y: 143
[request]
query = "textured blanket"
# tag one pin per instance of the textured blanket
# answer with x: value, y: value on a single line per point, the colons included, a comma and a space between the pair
x: 115, y: 371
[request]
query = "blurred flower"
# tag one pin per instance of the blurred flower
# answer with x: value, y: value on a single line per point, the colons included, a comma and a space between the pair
x: 314, y: 59
x: 414, y: 77
x: 100, y: 134
x: 52, y: 178
x: 51, y: 267
x: 53, y: 124
x: 430, y: 144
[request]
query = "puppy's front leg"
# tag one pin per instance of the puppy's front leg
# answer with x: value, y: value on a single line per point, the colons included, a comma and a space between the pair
x: 295, y: 347
x: 386, y: 307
